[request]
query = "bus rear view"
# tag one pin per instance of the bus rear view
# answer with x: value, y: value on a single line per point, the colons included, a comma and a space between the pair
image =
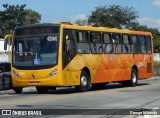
x: 35, y: 56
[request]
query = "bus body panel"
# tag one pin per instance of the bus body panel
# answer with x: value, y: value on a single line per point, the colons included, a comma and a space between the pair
x: 103, y: 68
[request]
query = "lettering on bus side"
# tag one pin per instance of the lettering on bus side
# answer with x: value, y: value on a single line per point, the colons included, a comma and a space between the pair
x: 52, y: 38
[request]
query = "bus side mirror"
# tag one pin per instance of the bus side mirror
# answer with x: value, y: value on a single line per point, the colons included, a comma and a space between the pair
x: 5, y: 44
x: 7, y: 41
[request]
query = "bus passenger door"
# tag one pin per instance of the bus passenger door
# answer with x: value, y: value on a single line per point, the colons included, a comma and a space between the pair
x: 117, y: 49
x: 68, y: 53
x: 110, y: 63
x: 127, y: 58
x: 111, y: 58
x: 96, y: 57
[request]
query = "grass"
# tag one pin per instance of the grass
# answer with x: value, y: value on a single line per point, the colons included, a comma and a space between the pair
x: 156, y: 64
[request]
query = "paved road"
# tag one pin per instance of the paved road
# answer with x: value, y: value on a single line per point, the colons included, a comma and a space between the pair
x: 114, y: 99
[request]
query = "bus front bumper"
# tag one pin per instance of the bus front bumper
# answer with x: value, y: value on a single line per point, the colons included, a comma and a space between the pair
x: 49, y: 81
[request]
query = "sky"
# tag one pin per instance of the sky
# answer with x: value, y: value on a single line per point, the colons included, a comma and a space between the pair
x: 71, y: 10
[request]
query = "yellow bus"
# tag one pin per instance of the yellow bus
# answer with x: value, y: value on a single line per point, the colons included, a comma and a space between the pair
x: 63, y: 54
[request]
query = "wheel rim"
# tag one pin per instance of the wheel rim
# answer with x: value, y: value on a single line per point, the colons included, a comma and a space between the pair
x: 134, y: 78
x: 84, y: 81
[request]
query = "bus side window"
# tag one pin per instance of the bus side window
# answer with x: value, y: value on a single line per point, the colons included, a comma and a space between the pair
x: 117, y: 43
x: 126, y: 44
x: 134, y: 44
x: 107, y: 43
x: 142, y: 44
x: 82, y: 42
x: 148, y: 44
x: 96, y: 45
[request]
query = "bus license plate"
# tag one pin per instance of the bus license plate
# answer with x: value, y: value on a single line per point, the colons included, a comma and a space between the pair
x: 34, y: 83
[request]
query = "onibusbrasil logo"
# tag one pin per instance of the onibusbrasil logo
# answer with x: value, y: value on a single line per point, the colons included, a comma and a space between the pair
x: 21, y: 112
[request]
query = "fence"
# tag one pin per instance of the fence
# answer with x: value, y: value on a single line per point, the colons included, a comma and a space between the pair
x: 157, y: 57
x: 157, y: 64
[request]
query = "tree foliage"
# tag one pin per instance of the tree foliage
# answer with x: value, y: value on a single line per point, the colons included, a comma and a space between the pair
x: 113, y: 16
x: 14, y: 15
x: 81, y: 22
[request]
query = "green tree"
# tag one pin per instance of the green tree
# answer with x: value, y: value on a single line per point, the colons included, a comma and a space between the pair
x: 113, y: 16
x: 81, y: 22
x: 14, y: 15
x: 32, y: 17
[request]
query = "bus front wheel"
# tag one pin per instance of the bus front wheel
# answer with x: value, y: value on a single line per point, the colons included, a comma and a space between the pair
x: 84, y: 82
x: 18, y: 89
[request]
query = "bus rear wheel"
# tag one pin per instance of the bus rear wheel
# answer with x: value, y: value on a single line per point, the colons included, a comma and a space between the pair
x: 42, y: 89
x: 134, y: 79
x: 84, y: 82
x: 18, y: 89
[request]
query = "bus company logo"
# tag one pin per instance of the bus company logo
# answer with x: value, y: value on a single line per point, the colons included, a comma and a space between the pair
x: 141, y: 64
x: 33, y: 75
x: 52, y: 38
x: 6, y: 112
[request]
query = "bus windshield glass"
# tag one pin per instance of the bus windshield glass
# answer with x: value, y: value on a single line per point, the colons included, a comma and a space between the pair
x: 35, y: 51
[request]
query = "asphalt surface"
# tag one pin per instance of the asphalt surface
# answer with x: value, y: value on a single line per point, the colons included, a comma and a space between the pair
x: 112, y: 101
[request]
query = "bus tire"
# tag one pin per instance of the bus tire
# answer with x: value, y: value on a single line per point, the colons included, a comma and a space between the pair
x: 134, y: 78
x: 18, y: 89
x: 84, y: 82
x: 42, y: 89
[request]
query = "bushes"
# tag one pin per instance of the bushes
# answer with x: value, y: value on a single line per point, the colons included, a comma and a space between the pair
x: 157, y: 64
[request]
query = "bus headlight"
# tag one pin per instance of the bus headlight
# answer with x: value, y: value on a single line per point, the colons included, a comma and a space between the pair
x: 53, y: 72
x: 16, y: 74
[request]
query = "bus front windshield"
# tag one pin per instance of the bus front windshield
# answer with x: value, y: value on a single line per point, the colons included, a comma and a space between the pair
x: 35, y: 52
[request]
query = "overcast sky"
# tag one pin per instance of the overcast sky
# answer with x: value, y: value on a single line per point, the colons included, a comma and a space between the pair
x: 71, y: 10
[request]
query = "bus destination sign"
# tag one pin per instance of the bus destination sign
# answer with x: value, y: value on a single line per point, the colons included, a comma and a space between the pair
x: 36, y: 30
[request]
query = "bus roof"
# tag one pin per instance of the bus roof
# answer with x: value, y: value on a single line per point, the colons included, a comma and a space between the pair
x: 103, y: 29
x: 69, y: 25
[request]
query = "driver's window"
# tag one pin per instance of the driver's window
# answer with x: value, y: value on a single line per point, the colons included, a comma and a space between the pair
x: 69, y: 46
